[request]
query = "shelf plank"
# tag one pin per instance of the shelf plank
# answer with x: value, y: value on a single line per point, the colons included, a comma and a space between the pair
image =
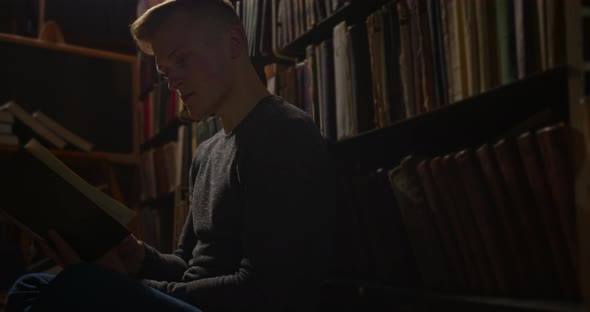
x: 510, y: 303
x: 78, y: 156
x: 469, y: 123
x: 406, y: 294
x: 166, y: 134
x: 64, y: 47
x: 354, y: 12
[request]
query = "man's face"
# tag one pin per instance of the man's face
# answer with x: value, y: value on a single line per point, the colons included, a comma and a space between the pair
x: 196, y: 61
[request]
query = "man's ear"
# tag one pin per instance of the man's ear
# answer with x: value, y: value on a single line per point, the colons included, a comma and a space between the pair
x: 238, y: 40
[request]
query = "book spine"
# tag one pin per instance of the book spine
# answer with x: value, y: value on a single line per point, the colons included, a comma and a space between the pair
x: 509, y: 225
x: 556, y: 152
x: 531, y: 157
x: 486, y: 219
x: 443, y: 225
x: 529, y: 219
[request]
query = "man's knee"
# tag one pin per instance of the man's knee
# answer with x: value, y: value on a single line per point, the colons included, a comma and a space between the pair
x: 26, y: 290
x: 31, y: 282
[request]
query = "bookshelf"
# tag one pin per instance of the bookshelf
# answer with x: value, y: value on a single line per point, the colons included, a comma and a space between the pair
x: 552, y: 94
x: 80, y: 111
x: 88, y: 91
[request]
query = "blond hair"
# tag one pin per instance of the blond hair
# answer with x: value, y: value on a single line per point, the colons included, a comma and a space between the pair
x: 145, y: 27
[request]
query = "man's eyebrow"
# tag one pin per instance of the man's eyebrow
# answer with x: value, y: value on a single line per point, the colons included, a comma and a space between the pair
x: 172, y: 53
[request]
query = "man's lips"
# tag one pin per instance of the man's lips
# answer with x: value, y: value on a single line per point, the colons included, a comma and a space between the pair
x: 186, y: 96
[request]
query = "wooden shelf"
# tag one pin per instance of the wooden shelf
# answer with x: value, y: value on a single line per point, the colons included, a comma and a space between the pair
x: 509, y: 303
x: 166, y: 134
x: 467, y: 123
x: 77, y: 156
x: 404, y: 294
x: 354, y: 12
x: 68, y: 48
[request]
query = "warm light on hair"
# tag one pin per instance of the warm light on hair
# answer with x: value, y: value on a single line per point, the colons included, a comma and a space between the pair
x: 144, y: 27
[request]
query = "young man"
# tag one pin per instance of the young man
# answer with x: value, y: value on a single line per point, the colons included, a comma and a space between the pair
x: 257, y: 237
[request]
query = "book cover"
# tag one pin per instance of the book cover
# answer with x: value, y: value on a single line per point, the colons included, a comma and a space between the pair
x: 328, y: 89
x: 9, y: 139
x: 427, y: 39
x: 406, y: 58
x: 486, y: 218
x: 443, y: 226
x: 43, y: 194
x: 416, y: 48
x: 553, y: 233
x: 466, y: 220
x: 506, y: 40
x: 419, y: 224
x: 556, y: 153
x: 375, y: 29
x: 509, y: 224
x: 6, y: 117
x: 344, y: 110
x: 5, y: 128
x: 527, y: 36
x: 393, y: 90
x: 442, y: 182
x: 438, y: 53
x: 521, y: 199
x: 360, y: 73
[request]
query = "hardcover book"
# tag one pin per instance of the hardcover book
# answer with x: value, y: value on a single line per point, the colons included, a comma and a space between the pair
x: 41, y: 193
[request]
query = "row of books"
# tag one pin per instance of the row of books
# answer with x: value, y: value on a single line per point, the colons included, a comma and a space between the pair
x: 161, y: 222
x: 6, y: 135
x: 413, y: 56
x: 165, y: 168
x: 498, y: 220
x: 157, y: 109
x: 271, y: 24
x: 18, y: 125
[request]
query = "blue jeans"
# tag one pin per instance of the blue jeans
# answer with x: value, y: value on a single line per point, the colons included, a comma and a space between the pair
x: 86, y: 287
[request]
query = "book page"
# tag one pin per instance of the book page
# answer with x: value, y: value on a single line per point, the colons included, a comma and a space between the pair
x: 115, y: 209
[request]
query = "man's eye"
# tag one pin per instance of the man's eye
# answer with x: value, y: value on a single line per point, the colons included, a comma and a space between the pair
x: 181, y: 60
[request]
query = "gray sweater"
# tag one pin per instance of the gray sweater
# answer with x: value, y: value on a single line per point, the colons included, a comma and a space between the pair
x: 257, y: 237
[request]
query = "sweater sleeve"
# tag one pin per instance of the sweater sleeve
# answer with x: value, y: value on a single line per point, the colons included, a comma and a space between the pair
x: 171, y: 267
x: 282, y: 178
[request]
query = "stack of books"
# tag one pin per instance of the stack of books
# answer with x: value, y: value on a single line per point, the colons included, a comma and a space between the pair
x: 6, y: 135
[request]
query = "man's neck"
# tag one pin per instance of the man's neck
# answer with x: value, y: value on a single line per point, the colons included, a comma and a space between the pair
x: 247, y: 92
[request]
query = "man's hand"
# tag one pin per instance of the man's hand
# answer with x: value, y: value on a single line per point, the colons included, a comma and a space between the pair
x: 63, y: 254
x: 126, y: 257
x: 131, y: 253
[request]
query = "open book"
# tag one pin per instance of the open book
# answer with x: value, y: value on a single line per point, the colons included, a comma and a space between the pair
x: 39, y: 193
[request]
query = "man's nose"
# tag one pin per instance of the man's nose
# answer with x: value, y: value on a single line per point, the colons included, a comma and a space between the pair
x: 174, y: 82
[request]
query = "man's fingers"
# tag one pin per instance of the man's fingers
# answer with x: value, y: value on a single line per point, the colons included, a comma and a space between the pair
x: 67, y: 253
x: 51, y: 253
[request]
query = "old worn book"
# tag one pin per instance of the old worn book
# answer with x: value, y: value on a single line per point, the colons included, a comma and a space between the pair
x: 62, y: 132
x: 345, y: 113
x: 521, y: 199
x: 485, y: 216
x: 6, y: 117
x: 466, y: 220
x: 360, y: 73
x: 406, y: 58
x: 424, y: 239
x: 443, y: 226
x: 41, y: 193
x: 509, y: 224
x: 30, y: 127
x: 554, y: 234
x: 556, y: 153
